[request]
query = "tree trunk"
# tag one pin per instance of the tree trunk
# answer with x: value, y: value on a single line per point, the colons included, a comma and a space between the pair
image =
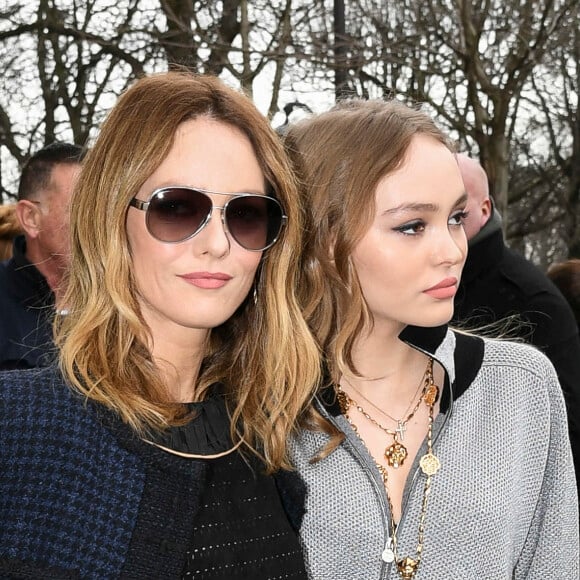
x: 340, y: 51
x: 178, y: 41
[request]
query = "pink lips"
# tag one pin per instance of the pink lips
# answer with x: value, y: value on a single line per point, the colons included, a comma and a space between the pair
x: 207, y: 280
x: 445, y: 289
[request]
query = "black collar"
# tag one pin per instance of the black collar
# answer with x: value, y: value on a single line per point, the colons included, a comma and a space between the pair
x: 461, y: 361
x: 426, y: 339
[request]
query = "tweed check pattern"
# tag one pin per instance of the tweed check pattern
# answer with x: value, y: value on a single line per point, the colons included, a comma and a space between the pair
x: 82, y: 496
x: 66, y: 467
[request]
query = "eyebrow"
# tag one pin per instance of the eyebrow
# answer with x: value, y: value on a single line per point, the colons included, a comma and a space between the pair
x: 429, y: 207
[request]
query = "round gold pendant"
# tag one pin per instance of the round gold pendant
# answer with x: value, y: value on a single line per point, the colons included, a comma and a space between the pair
x: 429, y: 463
x: 407, y: 567
x: 395, y: 454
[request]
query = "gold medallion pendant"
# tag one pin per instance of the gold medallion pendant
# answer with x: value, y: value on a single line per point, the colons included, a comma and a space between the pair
x: 430, y: 464
x: 395, y: 454
x: 407, y: 567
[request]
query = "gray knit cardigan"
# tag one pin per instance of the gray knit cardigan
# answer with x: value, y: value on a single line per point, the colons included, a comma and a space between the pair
x: 504, y: 504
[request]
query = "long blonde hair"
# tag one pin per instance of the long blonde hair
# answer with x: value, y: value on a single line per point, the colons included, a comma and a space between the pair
x: 341, y: 156
x: 264, y: 354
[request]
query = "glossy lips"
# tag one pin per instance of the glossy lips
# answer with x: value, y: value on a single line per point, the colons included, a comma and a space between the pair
x: 207, y: 280
x: 445, y: 289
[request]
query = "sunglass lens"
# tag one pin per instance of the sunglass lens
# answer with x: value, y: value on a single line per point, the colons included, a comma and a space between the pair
x: 176, y: 214
x: 254, y: 221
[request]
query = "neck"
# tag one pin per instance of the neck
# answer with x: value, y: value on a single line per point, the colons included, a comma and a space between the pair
x: 390, y: 369
x: 179, y: 356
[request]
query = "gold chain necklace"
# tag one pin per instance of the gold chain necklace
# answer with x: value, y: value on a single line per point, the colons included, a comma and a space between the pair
x: 396, y: 452
x: 401, y: 423
x: 430, y: 465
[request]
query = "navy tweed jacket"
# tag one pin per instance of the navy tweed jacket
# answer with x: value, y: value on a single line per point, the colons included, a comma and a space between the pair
x: 62, y: 460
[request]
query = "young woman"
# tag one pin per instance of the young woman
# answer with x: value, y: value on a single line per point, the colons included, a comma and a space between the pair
x: 434, y: 454
x: 183, y: 363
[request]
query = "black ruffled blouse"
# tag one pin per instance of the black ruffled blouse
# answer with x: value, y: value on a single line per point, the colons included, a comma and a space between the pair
x: 241, y: 529
x: 208, y: 432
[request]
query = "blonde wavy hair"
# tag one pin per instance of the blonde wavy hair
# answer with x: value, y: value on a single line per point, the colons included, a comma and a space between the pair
x: 340, y: 157
x: 9, y: 229
x: 264, y: 355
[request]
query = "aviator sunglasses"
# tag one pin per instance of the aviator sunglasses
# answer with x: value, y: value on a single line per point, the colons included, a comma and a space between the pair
x: 175, y: 214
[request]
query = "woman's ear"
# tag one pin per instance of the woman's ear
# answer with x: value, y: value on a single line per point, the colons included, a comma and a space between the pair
x: 29, y: 216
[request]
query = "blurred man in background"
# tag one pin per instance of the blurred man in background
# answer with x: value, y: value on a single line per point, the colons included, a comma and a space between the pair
x: 30, y: 281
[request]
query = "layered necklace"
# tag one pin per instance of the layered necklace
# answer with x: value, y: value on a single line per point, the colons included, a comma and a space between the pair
x: 395, y: 454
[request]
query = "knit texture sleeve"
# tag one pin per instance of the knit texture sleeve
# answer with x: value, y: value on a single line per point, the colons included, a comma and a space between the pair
x: 551, y: 549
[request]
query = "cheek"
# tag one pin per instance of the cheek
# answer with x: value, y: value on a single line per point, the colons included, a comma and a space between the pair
x: 147, y: 268
x: 148, y: 255
x: 377, y: 273
x: 142, y: 246
x: 375, y: 259
x: 247, y: 262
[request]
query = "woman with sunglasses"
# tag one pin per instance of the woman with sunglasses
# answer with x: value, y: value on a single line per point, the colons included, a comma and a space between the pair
x: 183, y: 361
x: 435, y: 454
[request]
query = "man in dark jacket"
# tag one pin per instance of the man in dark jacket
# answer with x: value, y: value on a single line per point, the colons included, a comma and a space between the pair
x: 499, y: 284
x: 30, y: 280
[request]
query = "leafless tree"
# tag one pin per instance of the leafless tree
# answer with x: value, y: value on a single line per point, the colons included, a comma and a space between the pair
x: 476, y: 65
x: 65, y: 62
x: 63, y: 69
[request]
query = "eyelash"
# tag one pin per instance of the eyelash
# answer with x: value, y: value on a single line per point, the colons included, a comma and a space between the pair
x: 462, y: 215
x: 411, y: 226
x: 415, y: 225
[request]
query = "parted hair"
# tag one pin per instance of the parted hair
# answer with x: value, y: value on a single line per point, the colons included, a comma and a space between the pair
x: 264, y: 355
x: 340, y: 157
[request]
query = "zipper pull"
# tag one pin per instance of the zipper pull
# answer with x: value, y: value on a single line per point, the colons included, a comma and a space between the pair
x: 388, y: 554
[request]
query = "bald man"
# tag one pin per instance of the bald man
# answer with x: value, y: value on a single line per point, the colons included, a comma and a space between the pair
x: 479, y: 206
x: 498, y: 283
